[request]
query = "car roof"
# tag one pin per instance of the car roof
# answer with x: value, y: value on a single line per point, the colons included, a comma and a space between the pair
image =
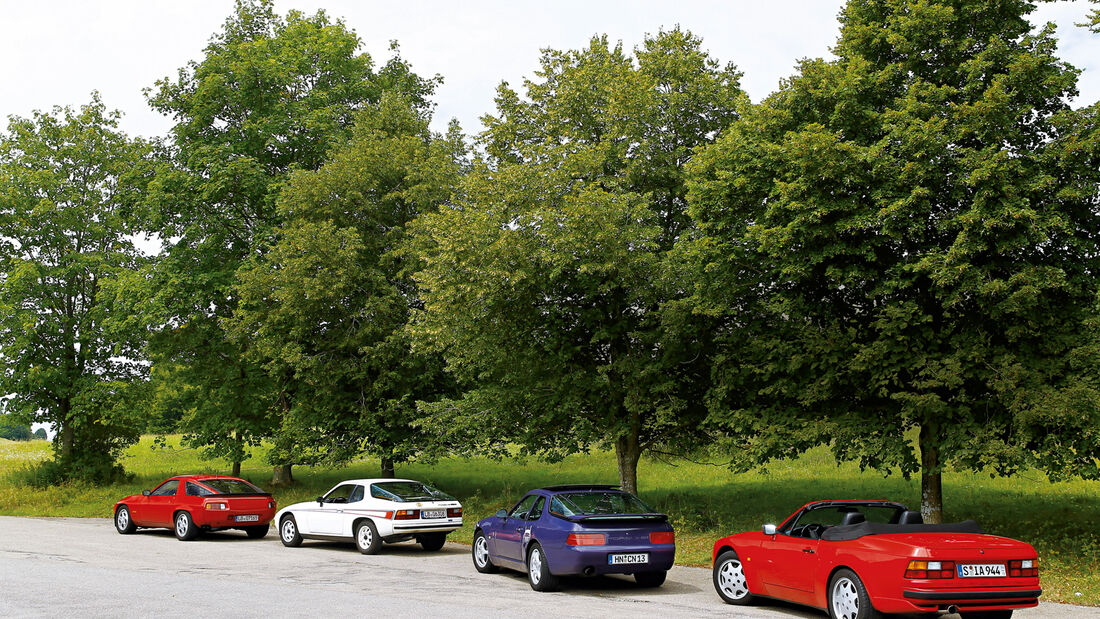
x: 852, y: 502
x: 577, y: 487
x: 374, y: 480
x: 202, y: 476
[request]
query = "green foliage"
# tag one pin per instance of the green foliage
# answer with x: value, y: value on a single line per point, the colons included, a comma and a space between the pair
x: 40, y: 434
x: 324, y: 310
x: 69, y: 187
x: 272, y: 95
x: 543, y: 283
x: 14, y: 429
x: 906, y: 237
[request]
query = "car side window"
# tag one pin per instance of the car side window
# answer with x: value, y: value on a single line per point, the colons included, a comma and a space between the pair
x: 557, y: 506
x: 536, y: 511
x: 168, y: 488
x: 340, y: 494
x: 356, y: 495
x: 519, y: 512
x: 194, y: 489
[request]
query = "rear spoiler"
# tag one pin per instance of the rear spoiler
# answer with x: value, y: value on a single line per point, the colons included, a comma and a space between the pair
x: 245, y: 494
x: 653, y: 517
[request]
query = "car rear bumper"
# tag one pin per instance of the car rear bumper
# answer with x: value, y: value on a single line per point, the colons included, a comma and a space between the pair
x: 931, y: 600
x: 228, y: 519
x: 592, y: 560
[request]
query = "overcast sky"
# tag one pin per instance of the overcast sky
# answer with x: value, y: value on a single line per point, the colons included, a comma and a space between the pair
x: 57, y: 52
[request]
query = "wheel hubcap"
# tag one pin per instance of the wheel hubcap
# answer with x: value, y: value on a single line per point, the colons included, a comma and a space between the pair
x: 845, y: 599
x: 123, y: 518
x: 731, y: 579
x: 535, y: 566
x: 365, y: 537
x: 181, y: 525
x: 481, y: 551
x: 288, y: 531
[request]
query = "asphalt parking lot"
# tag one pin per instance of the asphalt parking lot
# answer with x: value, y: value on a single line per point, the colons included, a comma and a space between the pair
x: 81, y: 567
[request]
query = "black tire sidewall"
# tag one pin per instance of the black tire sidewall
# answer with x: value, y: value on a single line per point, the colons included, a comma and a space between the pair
x: 726, y: 556
x: 129, y: 521
x: 297, y: 540
x: 650, y: 579
x: 488, y: 568
x: 190, y: 533
x: 547, y: 581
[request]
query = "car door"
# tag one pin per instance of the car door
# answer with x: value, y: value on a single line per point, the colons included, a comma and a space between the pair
x: 329, y: 517
x: 160, y: 504
x: 509, y: 540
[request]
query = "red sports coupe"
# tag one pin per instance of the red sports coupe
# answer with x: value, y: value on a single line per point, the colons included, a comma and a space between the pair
x: 189, y: 504
x: 860, y: 559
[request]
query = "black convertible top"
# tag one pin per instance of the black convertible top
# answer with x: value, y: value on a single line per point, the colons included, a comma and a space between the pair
x: 856, y: 531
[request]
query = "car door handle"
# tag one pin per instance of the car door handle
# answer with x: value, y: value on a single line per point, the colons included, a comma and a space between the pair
x: 808, y: 550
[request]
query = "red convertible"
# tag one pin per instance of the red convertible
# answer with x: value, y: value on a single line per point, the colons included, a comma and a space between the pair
x: 861, y: 559
x: 189, y: 504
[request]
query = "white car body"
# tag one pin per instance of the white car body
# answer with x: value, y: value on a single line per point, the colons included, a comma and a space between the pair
x: 337, y: 520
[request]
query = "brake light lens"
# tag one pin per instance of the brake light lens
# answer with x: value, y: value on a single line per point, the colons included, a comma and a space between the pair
x: 930, y: 569
x: 271, y: 504
x: 1026, y: 567
x: 406, y: 514
x: 662, y: 537
x: 217, y: 506
x: 454, y: 512
x: 586, y: 539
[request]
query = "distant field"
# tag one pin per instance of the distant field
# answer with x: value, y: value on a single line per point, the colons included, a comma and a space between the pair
x: 1062, y: 520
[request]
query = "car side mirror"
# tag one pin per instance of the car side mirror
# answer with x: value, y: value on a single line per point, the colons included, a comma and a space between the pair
x: 144, y: 493
x: 320, y: 500
x: 769, y: 529
x: 502, y: 513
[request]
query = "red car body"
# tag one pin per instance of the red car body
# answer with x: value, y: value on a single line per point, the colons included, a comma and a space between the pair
x: 209, y: 502
x: 800, y: 561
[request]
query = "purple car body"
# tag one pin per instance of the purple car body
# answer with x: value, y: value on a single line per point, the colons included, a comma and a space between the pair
x: 576, y: 530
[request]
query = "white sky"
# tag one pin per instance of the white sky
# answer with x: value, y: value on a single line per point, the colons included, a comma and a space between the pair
x: 55, y: 52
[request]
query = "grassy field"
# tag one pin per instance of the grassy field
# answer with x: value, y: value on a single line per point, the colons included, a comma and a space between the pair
x: 1062, y: 520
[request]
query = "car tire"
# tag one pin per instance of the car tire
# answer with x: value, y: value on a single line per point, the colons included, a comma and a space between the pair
x: 257, y: 532
x: 538, y: 570
x: 729, y: 579
x: 288, y: 532
x: 650, y: 579
x: 848, y: 599
x: 987, y: 614
x: 480, y: 553
x: 124, y: 524
x: 367, y: 539
x: 185, y: 527
x: 432, y: 541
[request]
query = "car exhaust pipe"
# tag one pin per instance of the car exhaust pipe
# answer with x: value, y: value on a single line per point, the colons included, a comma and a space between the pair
x: 589, y: 571
x: 952, y: 610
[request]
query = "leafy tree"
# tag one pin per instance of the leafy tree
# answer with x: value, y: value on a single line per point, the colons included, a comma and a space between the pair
x: 543, y: 283
x: 69, y: 181
x: 271, y: 96
x: 40, y: 434
x: 904, y: 240
x: 14, y: 429
x: 325, y: 309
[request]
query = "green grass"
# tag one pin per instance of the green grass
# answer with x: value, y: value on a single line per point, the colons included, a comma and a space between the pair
x: 705, y: 502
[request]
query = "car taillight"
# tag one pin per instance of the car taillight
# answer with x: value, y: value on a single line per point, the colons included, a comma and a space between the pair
x: 218, y: 506
x: 586, y: 539
x: 1026, y: 567
x: 662, y: 537
x: 406, y: 514
x: 930, y: 569
x: 271, y: 504
x: 454, y: 512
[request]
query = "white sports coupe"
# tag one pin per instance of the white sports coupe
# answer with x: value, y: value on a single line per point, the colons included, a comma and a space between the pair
x: 373, y: 511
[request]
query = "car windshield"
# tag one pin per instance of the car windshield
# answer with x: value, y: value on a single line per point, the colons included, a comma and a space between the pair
x: 231, y: 486
x: 402, y: 491
x: 596, y: 503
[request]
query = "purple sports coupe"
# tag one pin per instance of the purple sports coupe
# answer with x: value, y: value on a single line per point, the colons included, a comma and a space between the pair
x: 576, y: 530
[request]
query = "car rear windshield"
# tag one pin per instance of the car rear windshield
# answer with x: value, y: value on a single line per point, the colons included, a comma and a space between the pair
x: 596, y: 503
x: 231, y: 486
x: 402, y: 491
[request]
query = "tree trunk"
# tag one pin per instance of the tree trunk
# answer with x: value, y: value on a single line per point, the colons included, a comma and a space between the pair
x: 627, y: 453
x: 68, y: 433
x: 931, y: 489
x: 387, y: 467
x: 281, y: 475
x: 236, y: 469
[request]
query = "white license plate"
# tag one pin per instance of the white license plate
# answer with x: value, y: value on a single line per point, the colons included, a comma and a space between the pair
x: 981, y: 570
x: 433, y: 513
x: 628, y: 559
x: 248, y: 518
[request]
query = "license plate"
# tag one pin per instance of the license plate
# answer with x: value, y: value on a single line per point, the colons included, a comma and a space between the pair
x: 628, y: 559
x: 433, y: 513
x: 981, y: 570
x: 248, y: 518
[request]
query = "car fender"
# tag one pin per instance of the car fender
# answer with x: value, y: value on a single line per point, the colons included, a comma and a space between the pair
x: 747, y: 546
